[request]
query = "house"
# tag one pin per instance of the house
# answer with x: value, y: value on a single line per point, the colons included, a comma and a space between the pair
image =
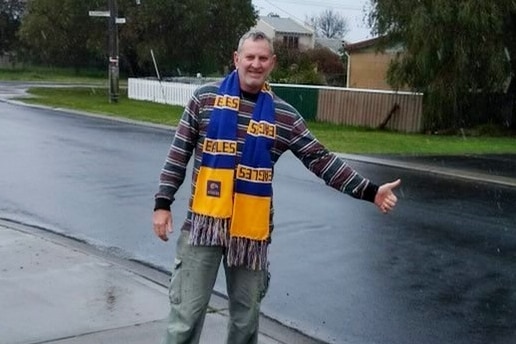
x: 334, y: 44
x: 288, y: 31
x: 367, y: 66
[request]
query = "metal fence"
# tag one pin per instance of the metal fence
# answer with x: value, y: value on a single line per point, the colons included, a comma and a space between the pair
x: 400, y: 111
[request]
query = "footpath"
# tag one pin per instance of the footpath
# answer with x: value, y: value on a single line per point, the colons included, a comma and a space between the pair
x: 57, y: 290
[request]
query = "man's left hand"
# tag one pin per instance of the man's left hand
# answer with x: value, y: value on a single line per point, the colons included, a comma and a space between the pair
x: 385, y: 199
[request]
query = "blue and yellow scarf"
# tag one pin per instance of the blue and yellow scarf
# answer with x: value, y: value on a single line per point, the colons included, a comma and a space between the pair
x: 230, y: 195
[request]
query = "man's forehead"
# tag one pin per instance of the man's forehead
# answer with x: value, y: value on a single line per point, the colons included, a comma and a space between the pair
x: 255, y: 45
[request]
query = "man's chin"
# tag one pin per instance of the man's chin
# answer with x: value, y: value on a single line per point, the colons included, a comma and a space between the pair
x: 256, y: 80
x: 254, y: 84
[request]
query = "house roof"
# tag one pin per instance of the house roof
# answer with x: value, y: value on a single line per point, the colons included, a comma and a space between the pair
x: 333, y: 44
x: 286, y: 25
x: 362, y: 44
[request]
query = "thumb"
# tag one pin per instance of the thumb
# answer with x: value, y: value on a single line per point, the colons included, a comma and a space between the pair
x: 393, y: 184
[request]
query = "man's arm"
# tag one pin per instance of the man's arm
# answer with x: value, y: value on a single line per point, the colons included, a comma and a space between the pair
x: 174, y: 170
x: 335, y: 171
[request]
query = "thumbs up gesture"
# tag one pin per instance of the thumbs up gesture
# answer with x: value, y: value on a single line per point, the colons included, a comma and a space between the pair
x: 385, y: 199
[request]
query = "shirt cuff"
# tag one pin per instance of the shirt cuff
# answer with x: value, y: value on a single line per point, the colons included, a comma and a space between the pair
x: 162, y: 204
x: 370, y: 192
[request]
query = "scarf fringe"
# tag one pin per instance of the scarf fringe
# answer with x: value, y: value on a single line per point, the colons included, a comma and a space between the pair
x: 208, y: 231
x: 246, y: 252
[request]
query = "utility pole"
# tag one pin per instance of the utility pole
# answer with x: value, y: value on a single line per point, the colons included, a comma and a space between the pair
x: 113, y: 66
x: 114, y: 69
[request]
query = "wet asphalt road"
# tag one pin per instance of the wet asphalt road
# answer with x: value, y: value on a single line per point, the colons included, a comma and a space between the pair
x: 440, y: 269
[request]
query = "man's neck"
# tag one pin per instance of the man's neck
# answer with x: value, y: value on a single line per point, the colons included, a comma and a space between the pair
x: 253, y: 97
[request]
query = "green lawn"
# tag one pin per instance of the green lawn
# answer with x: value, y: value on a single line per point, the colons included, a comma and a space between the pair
x: 62, y: 75
x: 336, y: 138
x: 96, y: 100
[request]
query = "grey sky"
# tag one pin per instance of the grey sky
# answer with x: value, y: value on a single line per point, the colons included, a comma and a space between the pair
x: 352, y: 10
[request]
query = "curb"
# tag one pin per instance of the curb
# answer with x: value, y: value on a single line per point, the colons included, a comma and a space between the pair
x: 443, y: 171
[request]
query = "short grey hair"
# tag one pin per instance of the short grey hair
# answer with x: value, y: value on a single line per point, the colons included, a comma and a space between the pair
x: 255, y: 35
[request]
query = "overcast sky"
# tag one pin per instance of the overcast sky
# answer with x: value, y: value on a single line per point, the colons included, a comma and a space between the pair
x: 352, y: 10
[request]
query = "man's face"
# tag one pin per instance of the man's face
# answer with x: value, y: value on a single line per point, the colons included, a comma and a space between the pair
x: 254, y: 63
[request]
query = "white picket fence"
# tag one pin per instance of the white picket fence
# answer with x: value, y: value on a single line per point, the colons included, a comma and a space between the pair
x: 172, y: 93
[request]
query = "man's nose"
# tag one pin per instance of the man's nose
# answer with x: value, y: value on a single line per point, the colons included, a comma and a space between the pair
x: 256, y: 63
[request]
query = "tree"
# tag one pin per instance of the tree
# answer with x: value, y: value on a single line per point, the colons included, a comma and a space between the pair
x: 11, y: 12
x: 318, y: 66
x: 330, y: 65
x: 183, y: 37
x: 228, y: 21
x: 454, y: 51
x: 330, y: 24
x: 152, y: 25
x: 59, y: 32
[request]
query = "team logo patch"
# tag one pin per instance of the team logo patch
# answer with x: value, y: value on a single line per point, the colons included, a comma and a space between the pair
x: 213, y: 188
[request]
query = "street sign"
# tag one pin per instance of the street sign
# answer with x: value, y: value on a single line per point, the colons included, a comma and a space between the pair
x: 120, y: 20
x: 99, y: 13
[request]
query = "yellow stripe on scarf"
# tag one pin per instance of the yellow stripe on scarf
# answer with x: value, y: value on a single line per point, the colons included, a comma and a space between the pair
x: 214, y: 192
x: 251, y: 217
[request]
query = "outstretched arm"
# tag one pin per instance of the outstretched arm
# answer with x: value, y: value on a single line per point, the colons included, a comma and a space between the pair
x: 335, y: 172
x: 385, y: 199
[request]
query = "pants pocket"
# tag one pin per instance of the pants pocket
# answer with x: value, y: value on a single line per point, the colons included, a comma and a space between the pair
x: 174, y: 290
x: 266, y: 281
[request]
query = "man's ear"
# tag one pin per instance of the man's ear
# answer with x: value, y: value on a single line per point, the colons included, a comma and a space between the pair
x: 235, y: 59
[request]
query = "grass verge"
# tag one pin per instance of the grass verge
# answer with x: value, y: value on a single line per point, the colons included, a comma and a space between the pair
x: 96, y: 100
x: 337, y: 138
x: 54, y: 74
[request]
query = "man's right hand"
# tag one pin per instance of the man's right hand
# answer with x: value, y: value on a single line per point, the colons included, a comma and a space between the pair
x: 162, y: 223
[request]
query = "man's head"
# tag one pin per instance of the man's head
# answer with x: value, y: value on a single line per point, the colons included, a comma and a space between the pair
x: 254, y: 60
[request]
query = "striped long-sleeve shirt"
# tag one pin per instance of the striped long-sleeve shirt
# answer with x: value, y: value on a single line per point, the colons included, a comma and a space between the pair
x: 291, y: 134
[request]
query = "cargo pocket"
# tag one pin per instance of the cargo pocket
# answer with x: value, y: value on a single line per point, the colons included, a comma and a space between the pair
x: 266, y: 276
x: 174, y: 290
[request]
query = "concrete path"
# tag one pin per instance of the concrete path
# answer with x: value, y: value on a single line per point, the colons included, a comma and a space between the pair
x: 58, y: 290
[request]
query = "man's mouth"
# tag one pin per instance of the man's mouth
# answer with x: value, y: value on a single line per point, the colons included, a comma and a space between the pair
x: 254, y: 73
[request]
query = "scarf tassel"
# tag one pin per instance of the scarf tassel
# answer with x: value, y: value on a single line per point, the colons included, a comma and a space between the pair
x: 208, y: 231
x: 246, y: 252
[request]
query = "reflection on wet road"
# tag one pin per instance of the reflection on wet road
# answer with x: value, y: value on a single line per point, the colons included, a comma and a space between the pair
x: 440, y: 269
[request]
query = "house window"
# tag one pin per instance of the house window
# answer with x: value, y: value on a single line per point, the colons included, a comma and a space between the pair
x: 291, y: 41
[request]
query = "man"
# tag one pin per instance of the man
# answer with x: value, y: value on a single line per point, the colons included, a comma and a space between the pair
x: 238, y: 129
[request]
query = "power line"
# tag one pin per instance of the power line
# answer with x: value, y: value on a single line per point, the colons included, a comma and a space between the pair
x: 282, y: 10
x: 321, y: 3
x: 314, y: 3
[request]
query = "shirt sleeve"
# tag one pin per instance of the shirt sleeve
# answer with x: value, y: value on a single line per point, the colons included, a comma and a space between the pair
x: 173, y: 172
x: 326, y: 165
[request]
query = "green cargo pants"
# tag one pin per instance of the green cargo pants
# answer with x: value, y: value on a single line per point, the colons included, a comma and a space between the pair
x: 193, y: 277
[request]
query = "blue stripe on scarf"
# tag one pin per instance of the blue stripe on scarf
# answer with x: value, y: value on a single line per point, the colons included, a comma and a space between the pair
x: 251, y: 188
x: 256, y: 152
x: 218, y: 161
x: 223, y: 124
